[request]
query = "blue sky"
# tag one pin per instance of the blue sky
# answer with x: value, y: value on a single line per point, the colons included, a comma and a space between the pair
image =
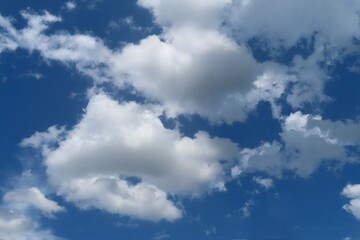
x: 166, y: 119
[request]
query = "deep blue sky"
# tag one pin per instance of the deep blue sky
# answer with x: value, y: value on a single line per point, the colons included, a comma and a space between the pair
x: 37, y: 92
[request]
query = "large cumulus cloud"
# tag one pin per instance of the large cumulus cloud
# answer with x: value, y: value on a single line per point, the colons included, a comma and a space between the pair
x: 307, y: 141
x: 120, y: 158
x: 114, y: 142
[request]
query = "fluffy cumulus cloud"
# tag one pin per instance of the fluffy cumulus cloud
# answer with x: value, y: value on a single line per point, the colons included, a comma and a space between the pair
x: 15, y: 226
x: 121, y: 159
x: 197, y: 65
x: 283, y: 23
x: 325, y: 28
x: 189, y: 68
x: 194, y: 71
x: 113, y: 143
x: 307, y: 142
x: 109, y: 193
x: 32, y: 197
x: 352, y: 191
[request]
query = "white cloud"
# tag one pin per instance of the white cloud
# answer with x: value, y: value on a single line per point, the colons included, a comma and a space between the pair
x: 128, y: 140
x: 267, y: 183
x: 42, y: 139
x: 86, y: 52
x: 203, y: 13
x: 329, y: 25
x: 284, y: 22
x: 70, y: 5
x: 109, y: 193
x: 7, y: 35
x: 128, y: 22
x: 189, y: 69
x: 266, y: 158
x: 352, y: 191
x: 115, y: 142
x: 246, y: 209
x: 14, y: 226
x: 194, y: 71
x: 38, y: 139
x: 34, y: 198
x: 318, y: 141
x: 195, y: 66
x: 306, y: 142
x: 192, y: 67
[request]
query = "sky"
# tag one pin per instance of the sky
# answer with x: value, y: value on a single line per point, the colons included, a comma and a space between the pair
x: 166, y: 119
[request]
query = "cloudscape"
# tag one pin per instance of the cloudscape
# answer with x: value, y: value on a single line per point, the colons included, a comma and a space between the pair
x: 179, y: 119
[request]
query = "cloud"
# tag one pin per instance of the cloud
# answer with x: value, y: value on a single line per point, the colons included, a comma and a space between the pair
x: 32, y: 197
x: 128, y: 23
x: 278, y: 29
x: 306, y: 142
x: 84, y: 51
x: 201, y: 64
x: 189, y: 69
x: 14, y: 226
x: 116, y: 142
x: 314, y: 141
x: 246, y: 209
x: 283, y: 23
x: 70, y: 5
x: 352, y: 191
x: 192, y: 67
x: 326, y: 29
x: 267, y: 183
x: 196, y: 65
x: 109, y: 193
x: 35, y: 75
x: 204, y: 13
x: 40, y: 138
x: 7, y: 40
x: 187, y: 75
